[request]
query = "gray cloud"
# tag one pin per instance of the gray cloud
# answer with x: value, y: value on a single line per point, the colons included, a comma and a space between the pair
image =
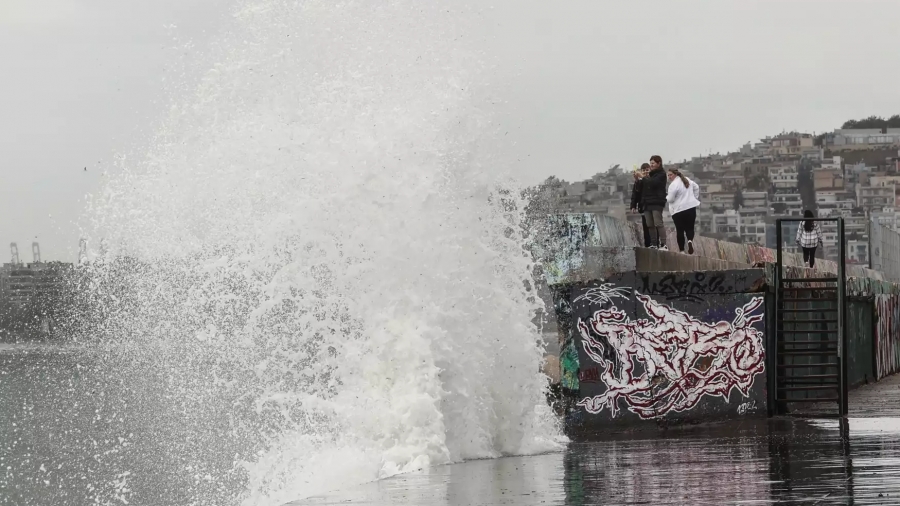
x: 586, y: 83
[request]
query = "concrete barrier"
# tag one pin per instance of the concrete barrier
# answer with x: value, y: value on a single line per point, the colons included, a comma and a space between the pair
x: 659, y: 348
x: 587, y: 246
x: 607, y: 289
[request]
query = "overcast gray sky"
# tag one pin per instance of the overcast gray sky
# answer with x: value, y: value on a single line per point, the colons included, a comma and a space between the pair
x: 596, y: 83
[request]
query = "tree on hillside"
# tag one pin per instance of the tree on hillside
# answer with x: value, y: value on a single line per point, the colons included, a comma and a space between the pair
x: 758, y: 183
x: 872, y: 122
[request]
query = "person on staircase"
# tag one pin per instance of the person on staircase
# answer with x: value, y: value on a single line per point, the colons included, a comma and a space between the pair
x: 809, y: 237
x: 636, y: 205
x: 683, y: 198
x: 653, y: 197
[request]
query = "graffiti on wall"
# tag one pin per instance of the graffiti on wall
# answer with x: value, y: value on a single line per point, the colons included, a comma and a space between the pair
x: 887, y: 335
x: 562, y: 250
x: 670, y: 361
x: 692, y: 287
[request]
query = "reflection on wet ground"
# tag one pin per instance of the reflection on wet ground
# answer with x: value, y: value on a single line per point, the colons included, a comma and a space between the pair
x: 778, y: 461
x: 61, y: 419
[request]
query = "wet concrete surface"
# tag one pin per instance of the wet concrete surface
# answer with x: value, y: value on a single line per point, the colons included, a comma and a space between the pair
x: 777, y: 461
x: 880, y: 399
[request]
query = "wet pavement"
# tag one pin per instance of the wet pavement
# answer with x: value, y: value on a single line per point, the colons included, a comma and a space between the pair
x: 779, y: 461
x: 792, y: 461
x: 880, y: 399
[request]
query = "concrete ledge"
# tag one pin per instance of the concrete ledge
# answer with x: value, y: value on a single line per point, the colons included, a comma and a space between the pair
x: 651, y: 260
x: 605, y: 241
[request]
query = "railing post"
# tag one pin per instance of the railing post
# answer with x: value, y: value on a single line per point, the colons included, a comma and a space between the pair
x: 773, y: 348
x: 842, y: 320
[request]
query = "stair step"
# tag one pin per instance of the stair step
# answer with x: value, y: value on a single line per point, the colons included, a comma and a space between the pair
x: 820, y: 399
x: 831, y: 339
x: 809, y: 289
x: 808, y: 331
x: 809, y: 376
x: 830, y: 348
x: 807, y: 352
x: 806, y: 366
x: 809, y: 380
x: 807, y: 387
x: 809, y: 280
x: 793, y: 320
x: 807, y: 310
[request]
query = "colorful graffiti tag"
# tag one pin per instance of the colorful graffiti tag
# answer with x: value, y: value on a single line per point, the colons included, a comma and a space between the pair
x: 670, y: 361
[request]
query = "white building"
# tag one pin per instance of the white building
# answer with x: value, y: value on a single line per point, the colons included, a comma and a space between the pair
x: 727, y: 223
x: 866, y: 137
x: 753, y: 232
x: 858, y: 251
x: 783, y: 176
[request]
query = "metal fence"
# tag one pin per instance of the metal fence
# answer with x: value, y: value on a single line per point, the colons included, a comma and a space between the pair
x: 884, y: 250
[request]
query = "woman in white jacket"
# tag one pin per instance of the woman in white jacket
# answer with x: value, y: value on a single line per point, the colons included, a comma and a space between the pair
x: 683, y: 197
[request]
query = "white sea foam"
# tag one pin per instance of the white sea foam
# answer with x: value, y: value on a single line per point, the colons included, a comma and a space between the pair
x: 332, y: 255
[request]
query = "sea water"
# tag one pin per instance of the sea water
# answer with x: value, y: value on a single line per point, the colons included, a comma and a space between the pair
x: 317, y: 274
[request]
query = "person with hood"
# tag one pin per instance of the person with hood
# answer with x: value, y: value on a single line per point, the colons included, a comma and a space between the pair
x: 636, y: 205
x: 653, y: 197
x: 683, y: 198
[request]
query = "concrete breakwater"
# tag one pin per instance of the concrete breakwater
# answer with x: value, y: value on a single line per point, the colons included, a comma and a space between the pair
x: 651, y: 337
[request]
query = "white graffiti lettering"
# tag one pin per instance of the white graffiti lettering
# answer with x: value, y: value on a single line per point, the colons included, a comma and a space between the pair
x: 683, y: 359
x: 746, y: 407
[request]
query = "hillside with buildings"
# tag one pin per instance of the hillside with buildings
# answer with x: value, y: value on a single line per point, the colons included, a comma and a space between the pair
x: 851, y: 172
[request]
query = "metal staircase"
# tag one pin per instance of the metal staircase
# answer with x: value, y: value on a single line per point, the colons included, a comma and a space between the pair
x: 810, y: 352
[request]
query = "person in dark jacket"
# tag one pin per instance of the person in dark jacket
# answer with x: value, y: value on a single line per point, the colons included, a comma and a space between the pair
x: 653, y: 198
x: 636, y: 205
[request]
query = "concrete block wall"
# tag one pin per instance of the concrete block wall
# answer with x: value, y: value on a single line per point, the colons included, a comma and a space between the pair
x: 614, y: 232
x: 659, y: 348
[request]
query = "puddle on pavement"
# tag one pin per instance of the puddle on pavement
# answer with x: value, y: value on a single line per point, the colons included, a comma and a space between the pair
x: 778, y: 461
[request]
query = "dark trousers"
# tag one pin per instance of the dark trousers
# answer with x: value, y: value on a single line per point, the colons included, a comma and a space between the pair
x: 809, y: 256
x: 684, y: 226
x: 647, y: 242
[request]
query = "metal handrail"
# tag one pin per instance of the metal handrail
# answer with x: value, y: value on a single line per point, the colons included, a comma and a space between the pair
x: 842, y: 349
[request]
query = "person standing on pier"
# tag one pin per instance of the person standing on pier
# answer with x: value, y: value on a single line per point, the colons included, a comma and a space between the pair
x: 653, y: 197
x: 683, y: 197
x: 636, y: 205
x: 809, y: 237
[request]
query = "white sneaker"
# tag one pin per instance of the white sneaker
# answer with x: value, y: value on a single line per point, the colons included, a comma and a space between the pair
x: 664, y: 248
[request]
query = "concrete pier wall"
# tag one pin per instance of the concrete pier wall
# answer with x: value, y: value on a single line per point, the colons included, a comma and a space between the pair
x: 632, y: 324
x: 664, y: 348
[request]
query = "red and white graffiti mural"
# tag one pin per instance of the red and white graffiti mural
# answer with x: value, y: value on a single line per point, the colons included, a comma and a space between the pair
x: 683, y: 359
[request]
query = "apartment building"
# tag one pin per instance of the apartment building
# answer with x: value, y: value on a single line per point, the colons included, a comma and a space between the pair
x: 857, y: 251
x: 727, y: 223
x: 755, y: 200
x: 866, y: 138
x: 828, y: 179
x: 874, y: 198
x: 790, y: 143
x: 787, y: 201
x: 753, y: 232
x: 783, y: 176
